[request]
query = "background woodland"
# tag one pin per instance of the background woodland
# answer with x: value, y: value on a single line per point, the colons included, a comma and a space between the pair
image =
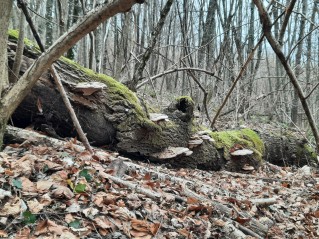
x: 214, y: 36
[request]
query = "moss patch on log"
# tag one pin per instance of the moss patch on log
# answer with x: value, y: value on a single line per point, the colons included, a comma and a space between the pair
x: 14, y: 34
x: 118, y: 94
x: 249, y: 139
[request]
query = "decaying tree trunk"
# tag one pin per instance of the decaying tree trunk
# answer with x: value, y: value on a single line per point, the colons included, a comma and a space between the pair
x: 112, y: 115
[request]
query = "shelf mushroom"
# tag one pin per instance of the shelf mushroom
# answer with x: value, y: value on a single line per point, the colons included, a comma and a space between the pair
x: 242, y: 152
x: 172, y: 152
x: 88, y: 88
x: 156, y: 117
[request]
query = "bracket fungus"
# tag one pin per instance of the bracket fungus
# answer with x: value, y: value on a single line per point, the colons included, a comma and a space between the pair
x: 172, y: 152
x: 242, y: 152
x: 156, y: 117
x: 88, y: 88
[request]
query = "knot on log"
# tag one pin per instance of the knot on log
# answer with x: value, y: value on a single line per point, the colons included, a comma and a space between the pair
x: 182, y: 108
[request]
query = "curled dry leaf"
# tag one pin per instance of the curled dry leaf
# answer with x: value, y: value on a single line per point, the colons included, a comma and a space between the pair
x: 3, y: 234
x: 45, y: 199
x: 27, y: 185
x: 85, y: 156
x: 48, y: 226
x: 140, y: 229
x: 103, y: 222
x: 34, y: 206
x: 44, y: 186
x: 12, y: 207
x: 24, y: 166
x: 90, y: 212
x: 62, y: 192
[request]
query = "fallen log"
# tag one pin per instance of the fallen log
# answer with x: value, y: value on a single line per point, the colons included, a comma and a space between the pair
x: 112, y: 115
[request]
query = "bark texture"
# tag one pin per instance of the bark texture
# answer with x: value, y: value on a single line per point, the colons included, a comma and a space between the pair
x: 115, y: 117
x: 5, y: 10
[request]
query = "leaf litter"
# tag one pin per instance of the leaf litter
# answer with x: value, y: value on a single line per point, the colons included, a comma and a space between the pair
x: 48, y: 192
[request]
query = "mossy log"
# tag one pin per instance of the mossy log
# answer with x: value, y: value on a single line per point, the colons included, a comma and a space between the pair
x: 113, y: 116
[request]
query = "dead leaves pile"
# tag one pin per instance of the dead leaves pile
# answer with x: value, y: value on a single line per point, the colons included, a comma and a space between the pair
x: 62, y: 193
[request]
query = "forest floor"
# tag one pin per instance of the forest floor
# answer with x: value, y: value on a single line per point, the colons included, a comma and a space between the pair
x: 64, y: 192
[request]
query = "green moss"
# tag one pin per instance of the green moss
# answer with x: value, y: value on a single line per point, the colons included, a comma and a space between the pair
x: 14, y: 34
x: 311, y: 151
x: 188, y: 99
x: 245, y: 137
x: 117, y: 92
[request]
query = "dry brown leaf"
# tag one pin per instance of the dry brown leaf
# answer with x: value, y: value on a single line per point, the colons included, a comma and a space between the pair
x: 316, y: 214
x: 3, y: 233
x: 191, y: 200
x: 24, y: 166
x: 62, y: 192
x: 219, y: 222
x: 99, y: 199
x: 44, y: 185
x: 140, y: 225
x: 43, y: 163
x: 60, y: 177
x: 12, y: 207
x: 68, y: 235
x: 103, y: 222
x: 90, y: 212
x: 34, y: 206
x: 45, y: 199
x: 147, y: 176
x: 85, y: 156
x: 27, y: 185
x: 154, y: 228
x: 242, y: 220
x: 24, y: 233
x: 184, y: 232
x: 69, y: 218
x: 48, y: 226
x: 140, y: 235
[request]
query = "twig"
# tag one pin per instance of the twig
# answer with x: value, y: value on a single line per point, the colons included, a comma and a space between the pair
x: 242, y: 70
x: 176, y: 70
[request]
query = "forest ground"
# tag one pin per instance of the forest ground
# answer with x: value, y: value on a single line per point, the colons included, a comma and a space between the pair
x: 61, y: 191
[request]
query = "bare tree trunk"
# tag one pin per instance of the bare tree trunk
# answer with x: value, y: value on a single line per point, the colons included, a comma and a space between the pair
x: 298, y: 68
x: 5, y: 11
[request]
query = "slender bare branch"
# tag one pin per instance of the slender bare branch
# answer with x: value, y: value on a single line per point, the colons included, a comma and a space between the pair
x: 176, y: 70
x: 242, y: 70
x: 286, y: 20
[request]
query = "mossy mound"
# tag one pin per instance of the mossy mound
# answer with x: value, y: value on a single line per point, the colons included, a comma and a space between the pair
x: 13, y: 34
x: 247, y: 138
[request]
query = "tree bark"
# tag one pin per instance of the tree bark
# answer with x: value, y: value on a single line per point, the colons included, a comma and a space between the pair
x: 5, y: 10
